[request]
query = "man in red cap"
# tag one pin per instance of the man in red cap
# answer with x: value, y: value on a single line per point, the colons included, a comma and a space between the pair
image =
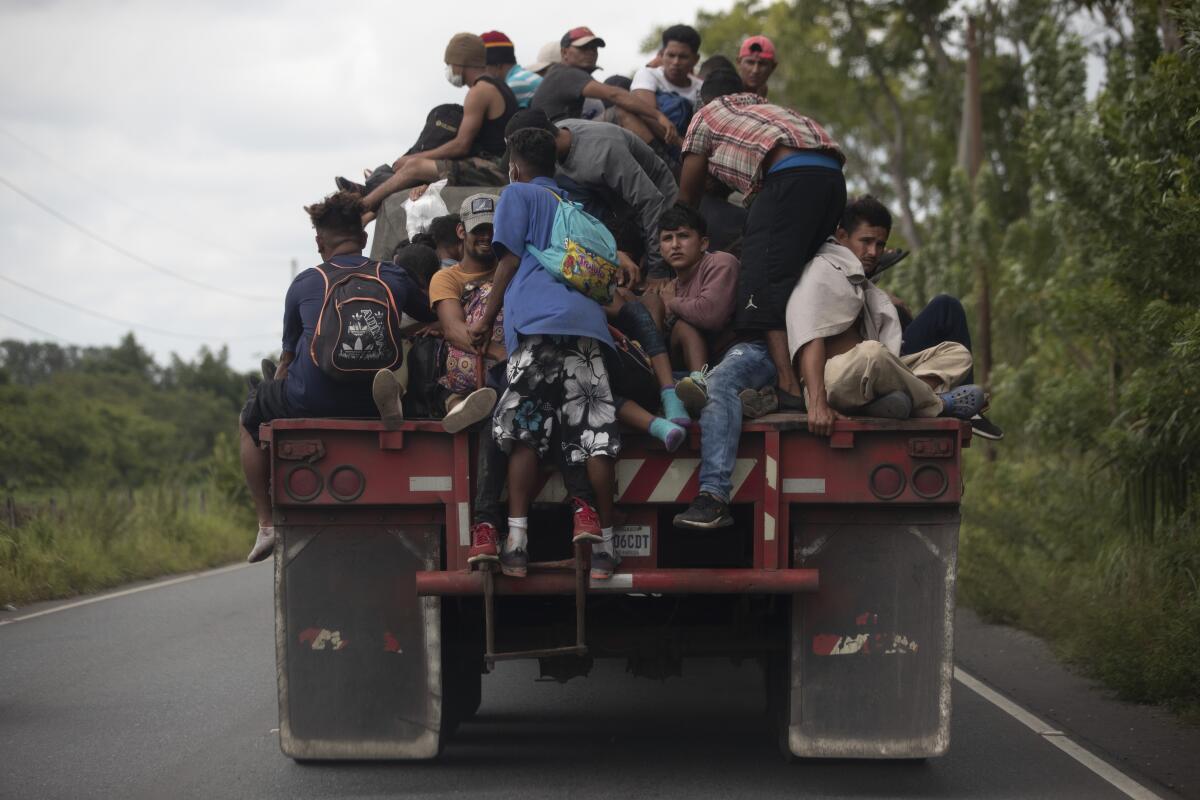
x: 567, y: 85
x: 756, y: 62
x: 502, y: 64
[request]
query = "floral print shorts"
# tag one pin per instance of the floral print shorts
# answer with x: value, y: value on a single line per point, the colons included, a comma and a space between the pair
x: 558, y: 380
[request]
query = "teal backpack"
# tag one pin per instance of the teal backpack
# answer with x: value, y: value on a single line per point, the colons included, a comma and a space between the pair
x: 582, y: 253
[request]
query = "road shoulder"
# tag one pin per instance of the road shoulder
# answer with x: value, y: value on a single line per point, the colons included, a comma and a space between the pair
x: 1147, y: 742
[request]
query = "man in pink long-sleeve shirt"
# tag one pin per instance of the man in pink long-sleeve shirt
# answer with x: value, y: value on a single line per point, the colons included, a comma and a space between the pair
x: 699, y: 303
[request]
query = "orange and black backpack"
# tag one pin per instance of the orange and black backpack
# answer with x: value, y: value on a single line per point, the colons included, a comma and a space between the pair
x: 358, y: 330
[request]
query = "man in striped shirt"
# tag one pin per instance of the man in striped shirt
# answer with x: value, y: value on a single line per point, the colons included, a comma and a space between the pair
x: 502, y: 65
x: 792, y: 170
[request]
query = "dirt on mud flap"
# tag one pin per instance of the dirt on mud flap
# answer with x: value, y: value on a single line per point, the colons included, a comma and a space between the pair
x: 872, y: 653
x: 358, y: 654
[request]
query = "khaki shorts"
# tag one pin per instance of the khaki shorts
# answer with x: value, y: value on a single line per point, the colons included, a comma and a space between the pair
x: 471, y: 171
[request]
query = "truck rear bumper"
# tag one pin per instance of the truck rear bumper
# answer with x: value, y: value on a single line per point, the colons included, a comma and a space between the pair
x: 647, y: 581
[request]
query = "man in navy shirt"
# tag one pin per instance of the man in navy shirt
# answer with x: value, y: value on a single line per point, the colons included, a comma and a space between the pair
x: 555, y: 337
x: 300, y: 388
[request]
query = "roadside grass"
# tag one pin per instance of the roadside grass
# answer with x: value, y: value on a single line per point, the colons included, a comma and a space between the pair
x: 1044, y: 549
x: 101, y: 539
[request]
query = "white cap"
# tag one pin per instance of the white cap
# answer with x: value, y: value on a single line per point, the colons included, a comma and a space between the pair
x: 551, y: 53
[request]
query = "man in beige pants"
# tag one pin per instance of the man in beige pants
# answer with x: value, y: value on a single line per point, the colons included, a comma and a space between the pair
x: 844, y: 335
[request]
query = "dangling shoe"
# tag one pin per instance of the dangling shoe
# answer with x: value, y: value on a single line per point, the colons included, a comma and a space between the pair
x: 986, y: 429
x: 485, y: 544
x: 585, y: 524
x: 474, y: 407
x: 604, y: 564
x: 388, y: 393
x: 264, y: 544
x: 758, y: 402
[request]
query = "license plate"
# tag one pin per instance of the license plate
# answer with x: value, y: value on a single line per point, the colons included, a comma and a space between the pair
x: 632, y: 541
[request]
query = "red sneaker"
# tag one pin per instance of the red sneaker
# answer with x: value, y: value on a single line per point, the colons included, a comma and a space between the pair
x: 587, y: 523
x: 485, y: 543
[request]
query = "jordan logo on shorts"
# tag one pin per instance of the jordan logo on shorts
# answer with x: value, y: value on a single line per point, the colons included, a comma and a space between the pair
x: 750, y: 303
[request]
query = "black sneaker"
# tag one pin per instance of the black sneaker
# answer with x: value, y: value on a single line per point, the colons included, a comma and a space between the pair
x: 705, y: 512
x: 986, y: 429
x: 347, y: 185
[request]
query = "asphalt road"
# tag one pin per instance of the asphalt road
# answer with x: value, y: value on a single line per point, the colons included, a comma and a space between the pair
x: 170, y: 692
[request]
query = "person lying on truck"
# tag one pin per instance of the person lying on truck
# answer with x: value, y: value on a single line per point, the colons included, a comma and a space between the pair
x: 756, y: 62
x: 865, y: 228
x: 557, y: 379
x: 458, y: 294
x: 844, y: 334
x: 472, y: 157
x: 697, y: 305
x: 502, y: 64
x: 604, y: 167
x: 567, y: 85
x: 300, y: 388
x: 792, y: 169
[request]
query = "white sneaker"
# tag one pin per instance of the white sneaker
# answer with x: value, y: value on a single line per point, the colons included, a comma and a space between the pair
x: 264, y: 545
x: 474, y: 407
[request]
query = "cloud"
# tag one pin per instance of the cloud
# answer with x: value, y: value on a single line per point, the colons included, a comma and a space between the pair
x: 192, y: 134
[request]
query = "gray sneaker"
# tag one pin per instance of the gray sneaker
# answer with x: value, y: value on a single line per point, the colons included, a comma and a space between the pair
x: 758, y: 402
x: 893, y: 405
x: 514, y: 563
x: 693, y: 391
x: 388, y: 393
x: 604, y: 564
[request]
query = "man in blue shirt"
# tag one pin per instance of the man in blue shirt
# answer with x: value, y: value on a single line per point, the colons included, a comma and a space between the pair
x: 299, y: 387
x: 554, y: 336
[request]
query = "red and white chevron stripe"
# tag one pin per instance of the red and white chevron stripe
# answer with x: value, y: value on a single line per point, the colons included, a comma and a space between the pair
x: 661, y: 480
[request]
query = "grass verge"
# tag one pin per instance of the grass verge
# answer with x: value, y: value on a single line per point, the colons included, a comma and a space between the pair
x: 1043, y: 549
x: 101, y: 539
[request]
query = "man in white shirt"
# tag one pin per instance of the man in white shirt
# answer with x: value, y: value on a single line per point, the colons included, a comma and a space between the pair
x: 679, y: 56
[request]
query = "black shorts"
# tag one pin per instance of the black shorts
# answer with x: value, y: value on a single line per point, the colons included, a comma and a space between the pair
x: 791, y: 217
x: 266, y: 402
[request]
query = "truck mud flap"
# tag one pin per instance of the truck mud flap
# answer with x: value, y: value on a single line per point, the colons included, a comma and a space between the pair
x: 872, y: 652
x: 358, y: 653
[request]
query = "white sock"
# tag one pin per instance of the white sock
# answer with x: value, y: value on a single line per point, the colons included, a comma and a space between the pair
x: 605, y: 546
x: 518, y: 534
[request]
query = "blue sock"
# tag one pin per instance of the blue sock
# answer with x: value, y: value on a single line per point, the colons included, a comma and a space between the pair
x: 667, y: 432
x: 673, y: 407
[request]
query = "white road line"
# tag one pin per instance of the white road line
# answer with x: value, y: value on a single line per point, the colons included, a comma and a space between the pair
x: 1107, y: 771
x: 124, y: 592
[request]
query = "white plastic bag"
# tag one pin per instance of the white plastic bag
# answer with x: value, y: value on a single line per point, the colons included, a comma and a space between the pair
x: 425, y: 209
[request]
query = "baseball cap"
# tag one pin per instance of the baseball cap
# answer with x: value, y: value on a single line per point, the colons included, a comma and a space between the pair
x: 581, y: 37
x: 758, y: 46
x: 500, y: 48
x: 466, y: 50
x: 551, y: 53
x: 476, y: 210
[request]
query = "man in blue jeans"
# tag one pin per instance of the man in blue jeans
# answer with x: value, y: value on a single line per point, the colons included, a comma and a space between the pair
x: 747, y: 365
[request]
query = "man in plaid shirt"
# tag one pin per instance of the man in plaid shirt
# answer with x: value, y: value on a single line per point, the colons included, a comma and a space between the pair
x: 792, y: 171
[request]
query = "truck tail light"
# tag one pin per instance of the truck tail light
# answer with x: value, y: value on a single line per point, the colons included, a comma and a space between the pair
x: 346, y: 483
x: 929, y: 481
x: 887, y: 481
x: 303, y: 483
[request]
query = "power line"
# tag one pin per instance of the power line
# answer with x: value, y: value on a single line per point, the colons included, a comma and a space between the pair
x: 101, y: 189
x: 128, y: 254
x: 119, y: 321
x: 36, y: 329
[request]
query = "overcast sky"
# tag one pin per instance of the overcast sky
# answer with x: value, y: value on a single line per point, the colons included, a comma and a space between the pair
x: 190, y: 137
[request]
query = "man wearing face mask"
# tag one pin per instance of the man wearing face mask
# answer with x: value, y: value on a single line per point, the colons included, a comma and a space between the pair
x: 472, y: 157
x: 566, y: 87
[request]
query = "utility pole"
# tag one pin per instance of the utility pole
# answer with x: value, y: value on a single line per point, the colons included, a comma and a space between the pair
x: 970, y: 158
